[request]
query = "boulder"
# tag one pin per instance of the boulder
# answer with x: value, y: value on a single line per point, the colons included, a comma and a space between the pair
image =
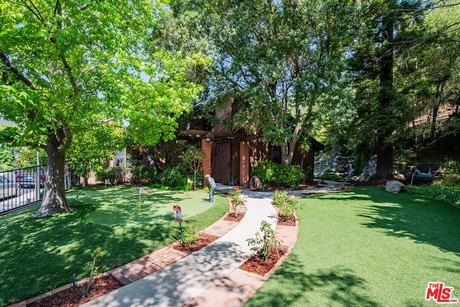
x: 393, y: 186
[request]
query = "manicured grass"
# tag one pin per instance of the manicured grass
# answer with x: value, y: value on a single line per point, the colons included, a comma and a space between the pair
x: 37, y: 255
x: 367, y: 247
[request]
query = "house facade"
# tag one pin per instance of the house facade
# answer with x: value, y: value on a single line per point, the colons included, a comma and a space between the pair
x: 229, y: 156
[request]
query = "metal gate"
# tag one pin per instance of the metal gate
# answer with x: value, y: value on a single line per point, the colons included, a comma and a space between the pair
x: 23, y: 186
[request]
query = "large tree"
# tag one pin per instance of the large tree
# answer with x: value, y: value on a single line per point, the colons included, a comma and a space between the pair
x: 69, y: 65
x: 280, y: 61
x: 399, y: 56
x: 385, y: 32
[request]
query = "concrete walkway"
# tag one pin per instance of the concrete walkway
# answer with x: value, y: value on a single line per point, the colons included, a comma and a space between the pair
x: 186, y: 279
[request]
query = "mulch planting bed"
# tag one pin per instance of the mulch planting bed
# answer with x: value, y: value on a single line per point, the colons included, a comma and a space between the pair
x: 308, y: 185
x: 72, y: 297
x: 203, y: 240
x: 258, y: 266
x: 289, y: 222
x: 232, y: 218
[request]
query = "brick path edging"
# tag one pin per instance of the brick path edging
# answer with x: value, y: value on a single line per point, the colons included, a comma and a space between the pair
x: 240, y: 285
x: 144, y: 265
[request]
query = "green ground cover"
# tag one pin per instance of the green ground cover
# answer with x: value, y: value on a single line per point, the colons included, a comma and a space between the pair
x: 367, y: 247
x: 37, y: 255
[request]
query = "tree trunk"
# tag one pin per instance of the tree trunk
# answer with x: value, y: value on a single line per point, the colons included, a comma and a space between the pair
x: 287, y: 150
x: 433, y: 121
x: 384, y: 159
x: 385, y: 130
x: 435, y: 110
x: 286, y: 154
x: 194, y: 181
x: 54, y: 200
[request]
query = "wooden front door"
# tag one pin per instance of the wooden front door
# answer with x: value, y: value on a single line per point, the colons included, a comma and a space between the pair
x: 221, y: 162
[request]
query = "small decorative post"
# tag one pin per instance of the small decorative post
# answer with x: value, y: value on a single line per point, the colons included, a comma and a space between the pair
x: 178, y: 216
x: 141, y: 199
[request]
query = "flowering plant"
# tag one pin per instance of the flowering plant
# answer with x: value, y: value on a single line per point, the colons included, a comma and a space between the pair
x: 236, y: 199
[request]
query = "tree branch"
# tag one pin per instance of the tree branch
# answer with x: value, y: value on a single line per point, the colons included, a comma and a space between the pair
x: 68, y: 69
x: 17, y: 74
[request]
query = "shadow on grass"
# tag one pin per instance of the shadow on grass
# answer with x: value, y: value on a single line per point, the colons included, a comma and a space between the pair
x: 37, y: 255
x: 342, y: 286
x: 421, y: 219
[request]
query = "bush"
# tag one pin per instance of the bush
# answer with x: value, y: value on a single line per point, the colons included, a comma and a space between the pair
x: 265, y: 171
x: 115, y: 175
x: 450, y: 173
x: 451, y: 167
x: 285, y: 205
x: 272, y: 173
x: 449, y: 194
x: 142, y: 174
x: 173, y: 176
x: 290, y: 175
x: 332, y: 177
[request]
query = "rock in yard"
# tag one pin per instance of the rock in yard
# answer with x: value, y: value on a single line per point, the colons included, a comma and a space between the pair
x: 393, y: 186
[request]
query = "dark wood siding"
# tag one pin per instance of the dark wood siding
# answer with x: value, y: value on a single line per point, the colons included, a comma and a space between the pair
x: 221, y: 162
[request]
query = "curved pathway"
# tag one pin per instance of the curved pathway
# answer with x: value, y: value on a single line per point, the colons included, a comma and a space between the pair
x: 181, y: 282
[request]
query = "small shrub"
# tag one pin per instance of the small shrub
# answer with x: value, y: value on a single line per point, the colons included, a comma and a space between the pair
x: 327, y: 170
x: 265, y: 171
x: 332, y: 177
x: 290, y: 175
x: 142, y: 174
x: 272, y: 173
x: 236, y: 200
x: 450, y: 195
x: 93, y: 269
x: 115, y: 175
x: 101, y: 175
x: 450, y: 174
x: 189, y: 236
x: 451, y: 167
x: 285, y: 205
x: 193, y: 159
x: 173, y: 176
x: 264, y: 241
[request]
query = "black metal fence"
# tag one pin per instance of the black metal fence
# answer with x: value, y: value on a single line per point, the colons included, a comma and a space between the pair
x: 23, y: 186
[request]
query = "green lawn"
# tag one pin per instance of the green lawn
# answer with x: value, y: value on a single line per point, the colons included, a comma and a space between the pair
x: 37, y: 255
x: 367, y: 247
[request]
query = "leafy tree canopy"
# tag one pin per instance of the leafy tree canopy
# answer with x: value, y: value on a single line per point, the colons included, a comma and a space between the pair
x: 66, y: 66
x: 281, y: 61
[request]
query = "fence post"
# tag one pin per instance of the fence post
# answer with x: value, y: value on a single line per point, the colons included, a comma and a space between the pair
x: 37, y: 178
